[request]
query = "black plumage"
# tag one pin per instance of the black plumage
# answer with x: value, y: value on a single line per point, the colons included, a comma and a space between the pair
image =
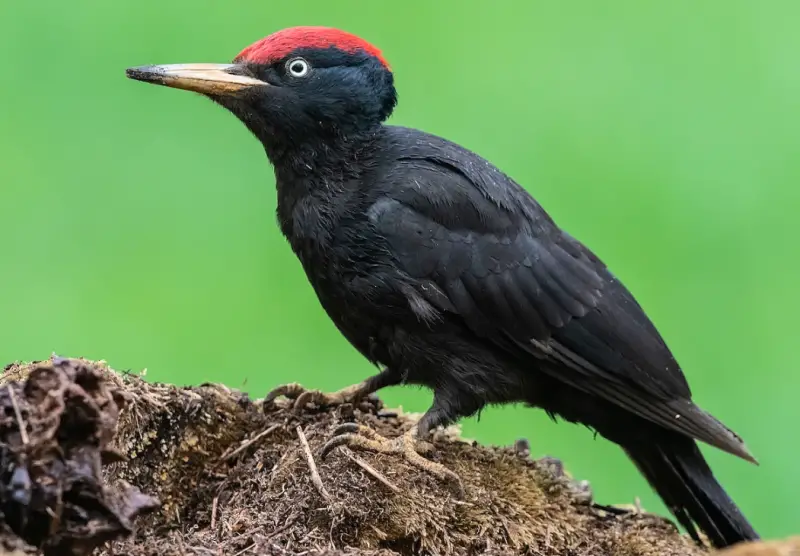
x: 436, y: 264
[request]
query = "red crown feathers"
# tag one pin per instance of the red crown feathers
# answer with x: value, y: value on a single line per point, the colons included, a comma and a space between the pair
x: 278, y: 45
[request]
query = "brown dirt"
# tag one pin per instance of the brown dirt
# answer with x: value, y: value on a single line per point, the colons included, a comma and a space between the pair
x: 233, y: 479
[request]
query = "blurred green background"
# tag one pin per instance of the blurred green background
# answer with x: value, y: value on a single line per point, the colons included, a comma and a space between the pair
x: 138, y: 222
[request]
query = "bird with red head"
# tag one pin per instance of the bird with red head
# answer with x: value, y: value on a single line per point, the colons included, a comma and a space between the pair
x: 438, y: 266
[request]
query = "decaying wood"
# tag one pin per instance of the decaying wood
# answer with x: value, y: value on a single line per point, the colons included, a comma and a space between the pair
x: 234, y: 477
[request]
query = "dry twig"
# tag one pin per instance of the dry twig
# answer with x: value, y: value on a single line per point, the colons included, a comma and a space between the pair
x: 23, y: 431
x: 377, y: 475
x: 214, y: 512
x: 312, y: 466
x: 250, y: 442
x: 245, y: 549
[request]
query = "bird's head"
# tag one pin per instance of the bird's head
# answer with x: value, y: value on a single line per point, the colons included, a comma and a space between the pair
x: 295, y: 84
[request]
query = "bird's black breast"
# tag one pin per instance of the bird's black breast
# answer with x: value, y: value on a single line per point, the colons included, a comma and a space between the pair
x: 347, y: 263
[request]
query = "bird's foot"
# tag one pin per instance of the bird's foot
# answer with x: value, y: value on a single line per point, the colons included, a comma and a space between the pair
x: 360, y: 437
x: 303, y: 396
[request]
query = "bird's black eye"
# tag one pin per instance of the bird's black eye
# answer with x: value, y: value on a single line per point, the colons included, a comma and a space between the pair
x: 298, y: 67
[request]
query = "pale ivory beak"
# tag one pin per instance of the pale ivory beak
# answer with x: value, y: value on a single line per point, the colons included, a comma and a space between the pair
x: 209, y: 79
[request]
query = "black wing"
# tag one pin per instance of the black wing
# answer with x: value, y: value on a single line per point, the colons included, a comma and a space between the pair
x: 479, y: 246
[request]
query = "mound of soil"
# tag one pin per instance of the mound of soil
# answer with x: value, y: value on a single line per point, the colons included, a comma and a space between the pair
x: 237, y: 477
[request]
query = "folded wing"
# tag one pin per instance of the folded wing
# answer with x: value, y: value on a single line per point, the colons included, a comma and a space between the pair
x: 479, y: 246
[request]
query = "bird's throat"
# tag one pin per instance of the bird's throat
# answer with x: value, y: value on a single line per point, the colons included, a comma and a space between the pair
x: 316, y: 177
x: 324, y: 154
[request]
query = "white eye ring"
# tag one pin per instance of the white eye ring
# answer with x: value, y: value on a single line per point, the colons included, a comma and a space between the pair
x: 298, y: 67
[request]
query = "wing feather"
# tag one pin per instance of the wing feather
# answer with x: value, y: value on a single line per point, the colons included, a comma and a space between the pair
x: 507, y: 270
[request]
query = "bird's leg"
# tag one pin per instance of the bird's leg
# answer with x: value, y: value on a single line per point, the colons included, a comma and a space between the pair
x: 408, y: 445
x: 351, y: 394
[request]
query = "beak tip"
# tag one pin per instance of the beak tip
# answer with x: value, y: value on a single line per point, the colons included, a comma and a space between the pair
x: 142, y: 73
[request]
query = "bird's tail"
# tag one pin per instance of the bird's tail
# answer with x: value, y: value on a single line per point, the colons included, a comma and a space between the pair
x: 678, y: 472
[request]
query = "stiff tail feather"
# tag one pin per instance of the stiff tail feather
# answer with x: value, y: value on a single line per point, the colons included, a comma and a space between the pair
x: 678, y: 472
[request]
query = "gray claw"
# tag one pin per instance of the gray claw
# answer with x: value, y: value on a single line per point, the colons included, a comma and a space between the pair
x: 346, y: 428
x: 338, y: 440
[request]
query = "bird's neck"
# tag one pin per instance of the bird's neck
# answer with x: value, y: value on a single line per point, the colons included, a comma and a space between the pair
x: 316, y: 176
x: 314, y: 156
